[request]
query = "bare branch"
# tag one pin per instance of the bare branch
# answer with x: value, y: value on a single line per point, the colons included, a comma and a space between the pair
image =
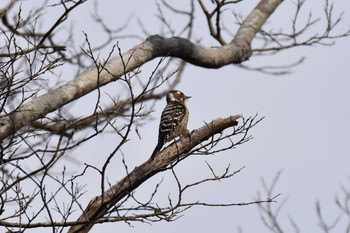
x: 155, y: 46
x: 99, y: 205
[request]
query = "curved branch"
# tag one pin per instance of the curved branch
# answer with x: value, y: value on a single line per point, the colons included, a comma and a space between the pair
x: 155, y: 46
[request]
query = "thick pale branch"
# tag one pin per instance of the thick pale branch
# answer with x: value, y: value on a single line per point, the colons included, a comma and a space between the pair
x: 99, y: 206
x: 155, y: 46
x: 255, y: 20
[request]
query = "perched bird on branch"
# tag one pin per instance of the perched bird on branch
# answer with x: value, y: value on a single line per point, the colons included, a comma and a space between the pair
x: 173, y: 122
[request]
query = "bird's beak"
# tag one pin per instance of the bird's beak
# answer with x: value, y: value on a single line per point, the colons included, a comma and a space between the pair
x: 188, y: 97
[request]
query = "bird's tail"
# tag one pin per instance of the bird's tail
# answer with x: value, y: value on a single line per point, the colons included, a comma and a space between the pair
x: 157, y: 149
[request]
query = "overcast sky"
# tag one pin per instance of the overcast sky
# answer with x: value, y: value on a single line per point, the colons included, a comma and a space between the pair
x: 305, y: 133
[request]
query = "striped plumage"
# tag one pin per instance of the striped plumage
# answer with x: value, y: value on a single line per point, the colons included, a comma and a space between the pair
x: 173, y: 122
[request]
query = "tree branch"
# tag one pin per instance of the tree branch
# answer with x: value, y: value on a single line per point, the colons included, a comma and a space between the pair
x: 99, y: 206
x: 255, y: 20
x: 155, y: 46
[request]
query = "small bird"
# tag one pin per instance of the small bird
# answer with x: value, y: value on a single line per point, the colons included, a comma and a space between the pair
x: 173, y: 122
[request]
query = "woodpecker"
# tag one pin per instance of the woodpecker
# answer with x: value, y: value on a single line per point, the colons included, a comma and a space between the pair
x: 173, y: 122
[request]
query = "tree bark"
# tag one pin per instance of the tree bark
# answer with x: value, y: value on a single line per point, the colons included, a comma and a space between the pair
x: 237, y: 51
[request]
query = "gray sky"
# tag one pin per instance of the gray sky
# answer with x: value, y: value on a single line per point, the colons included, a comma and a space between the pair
x: 304, y: 133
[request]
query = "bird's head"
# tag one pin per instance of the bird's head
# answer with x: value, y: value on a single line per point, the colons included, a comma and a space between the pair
x: 176, y: 95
